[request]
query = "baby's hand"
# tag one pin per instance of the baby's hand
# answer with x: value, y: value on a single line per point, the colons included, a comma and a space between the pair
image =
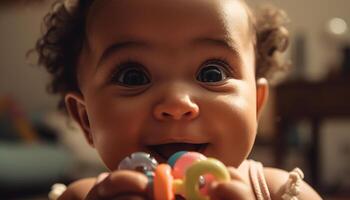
x: 236, y: 188
x: 120, y: 185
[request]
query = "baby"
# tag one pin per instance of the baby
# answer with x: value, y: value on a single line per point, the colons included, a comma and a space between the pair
x: 160, y: 76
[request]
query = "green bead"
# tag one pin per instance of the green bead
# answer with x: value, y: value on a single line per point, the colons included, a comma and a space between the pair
x: 200, y: 168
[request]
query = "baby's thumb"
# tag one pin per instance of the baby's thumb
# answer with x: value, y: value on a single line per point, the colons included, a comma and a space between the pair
x: 227, y: 190
x: 234, y: 174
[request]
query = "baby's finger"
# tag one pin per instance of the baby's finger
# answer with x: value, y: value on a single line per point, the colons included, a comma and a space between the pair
x: 229, y: 190
x: 101, y: 177
x: 234, y: 173
x: 129, y: 197
x: 119, y: 183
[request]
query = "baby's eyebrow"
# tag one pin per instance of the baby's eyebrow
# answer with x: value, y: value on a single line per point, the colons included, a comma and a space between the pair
x: 225, y: 42
x: 120, y: 46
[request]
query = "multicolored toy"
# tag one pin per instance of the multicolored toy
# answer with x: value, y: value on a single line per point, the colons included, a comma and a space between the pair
x: 187, y: 174
x: 140, y: 161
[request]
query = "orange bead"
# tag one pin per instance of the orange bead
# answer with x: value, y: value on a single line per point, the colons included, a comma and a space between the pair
x: 163, y: 183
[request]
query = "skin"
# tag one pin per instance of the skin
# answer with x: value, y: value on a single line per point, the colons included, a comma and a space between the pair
x: 174, y: 42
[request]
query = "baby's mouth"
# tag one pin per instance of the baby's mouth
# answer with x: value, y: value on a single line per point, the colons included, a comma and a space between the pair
x: 164, y: 151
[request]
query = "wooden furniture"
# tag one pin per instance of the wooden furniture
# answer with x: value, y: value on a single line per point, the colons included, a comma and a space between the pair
x: 314, y: 101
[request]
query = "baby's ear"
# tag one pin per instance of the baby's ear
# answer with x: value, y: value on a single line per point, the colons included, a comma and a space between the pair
x: 262, y: 93
x: 75, y: 105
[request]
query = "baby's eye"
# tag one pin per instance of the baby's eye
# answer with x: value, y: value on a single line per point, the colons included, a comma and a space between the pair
x: 131, y: 74
x: 212, y: 71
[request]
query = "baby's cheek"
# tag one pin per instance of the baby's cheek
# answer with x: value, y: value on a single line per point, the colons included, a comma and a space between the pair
x: 112, y: 153
x: 113, y: 145
x: 237, y: 131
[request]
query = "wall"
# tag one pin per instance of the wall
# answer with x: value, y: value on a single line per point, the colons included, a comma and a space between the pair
x: 20, y: 27
x: 310, y: 18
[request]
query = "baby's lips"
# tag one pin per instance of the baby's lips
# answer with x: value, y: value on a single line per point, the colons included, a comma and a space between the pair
x: 167, y: 150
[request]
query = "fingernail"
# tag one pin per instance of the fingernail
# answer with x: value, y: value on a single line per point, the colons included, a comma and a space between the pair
x: 213, y: 185
x: 101, y: 177
x: 100, y: 189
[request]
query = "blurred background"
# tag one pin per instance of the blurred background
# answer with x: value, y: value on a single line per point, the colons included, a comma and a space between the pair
x: 306, y: 123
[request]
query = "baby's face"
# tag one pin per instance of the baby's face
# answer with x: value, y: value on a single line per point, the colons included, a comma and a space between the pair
x: 166, y: 75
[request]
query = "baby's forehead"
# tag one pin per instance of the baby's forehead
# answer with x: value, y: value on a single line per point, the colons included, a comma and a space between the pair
x: 168, y: 20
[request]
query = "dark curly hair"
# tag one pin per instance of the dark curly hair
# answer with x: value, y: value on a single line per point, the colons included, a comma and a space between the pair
x: 60, y: 45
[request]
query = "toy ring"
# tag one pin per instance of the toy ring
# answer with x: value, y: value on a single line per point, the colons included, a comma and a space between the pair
x: 181, y: 163
x: 200, y: 168
x: 139, y: 161
x: 163, y: 183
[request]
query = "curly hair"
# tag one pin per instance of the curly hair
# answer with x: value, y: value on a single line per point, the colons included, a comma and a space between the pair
x: 60, y: 45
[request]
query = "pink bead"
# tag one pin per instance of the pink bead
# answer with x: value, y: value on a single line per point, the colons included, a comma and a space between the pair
x: 183, y: 162
x: 208, y: 178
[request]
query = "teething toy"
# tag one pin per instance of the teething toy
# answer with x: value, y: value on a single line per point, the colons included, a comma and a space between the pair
x: 187, y: 174
x: 181, y: 162
x: 163, y: 183
x: 200, y: 168
x: 139, y: 161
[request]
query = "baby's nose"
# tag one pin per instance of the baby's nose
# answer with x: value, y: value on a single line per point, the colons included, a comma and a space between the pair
x: 176, y: 107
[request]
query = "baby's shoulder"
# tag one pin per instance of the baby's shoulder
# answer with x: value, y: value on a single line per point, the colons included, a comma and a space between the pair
x: 283, y: 183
